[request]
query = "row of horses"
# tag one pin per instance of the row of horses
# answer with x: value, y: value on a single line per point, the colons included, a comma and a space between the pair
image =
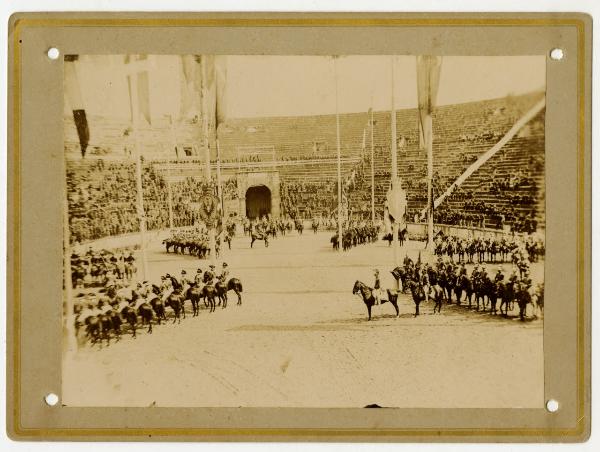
x: 482, y: 290
x: 153, y: 309
x: 199, y: 248
x: 354, y: 236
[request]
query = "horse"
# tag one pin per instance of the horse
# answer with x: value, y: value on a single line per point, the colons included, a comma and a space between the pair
x: 93, y: 329
x: 335, y: 242
x: 523, y: 298
x: 146, y: 313
x: 260, y: 236
x: 175, y: 302
x: 194, y: 294
x: 159, y: 309
x: 400, y: 275
x: 233, y: 284
x: 116, y: 321
x: 369, y: 299
x: 438, y: 298
x: 209, y: 293
x: 130, y: 316
x: 418, y: 294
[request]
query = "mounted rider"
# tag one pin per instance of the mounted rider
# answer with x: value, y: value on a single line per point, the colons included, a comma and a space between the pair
x: 198, y: 279
x: 224, y: 274
x: 209, y: 275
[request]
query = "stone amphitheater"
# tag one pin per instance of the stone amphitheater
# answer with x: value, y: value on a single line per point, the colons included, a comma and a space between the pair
x: 288, y: 165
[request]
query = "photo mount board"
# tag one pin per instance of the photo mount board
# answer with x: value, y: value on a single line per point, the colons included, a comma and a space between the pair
x: 35, y: 169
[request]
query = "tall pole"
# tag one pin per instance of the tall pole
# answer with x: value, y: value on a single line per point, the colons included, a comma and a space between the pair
x: 203, y: 69
x: 219, y: 180
x: 372, y: 170
x: 428, y: 132
x: 211, y: 231
x: 135, y: 107
x: 339, y: 155
x: 394, y: 178
x: 169, y: 188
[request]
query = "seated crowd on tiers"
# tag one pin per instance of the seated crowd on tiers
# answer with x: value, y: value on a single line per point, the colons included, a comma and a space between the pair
x: 102, y: 198
x: 507, y: 192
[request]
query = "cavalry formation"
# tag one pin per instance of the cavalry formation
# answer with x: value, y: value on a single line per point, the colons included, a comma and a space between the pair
x: 104, y: 315
x: 447, y: 282
x: 122, y: 306
x: 356, y: 233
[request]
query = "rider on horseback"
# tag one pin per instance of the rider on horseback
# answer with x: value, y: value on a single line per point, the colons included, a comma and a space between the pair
x: 224, y: 273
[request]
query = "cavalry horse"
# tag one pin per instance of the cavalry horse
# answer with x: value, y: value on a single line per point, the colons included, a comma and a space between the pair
x: 259, y: 236
x: 368, y: 297
x: 222, y: 289
x: 418, y: 294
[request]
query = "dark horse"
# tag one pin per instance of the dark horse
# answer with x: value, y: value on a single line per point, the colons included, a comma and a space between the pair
x: 400, y: 275
x: 194, y: 294
x: 418, y: 294
x: 209, y: 292
x: 222, y: 289
x: 260, y: 236
x: 175, y: 302
x: 369, y: 299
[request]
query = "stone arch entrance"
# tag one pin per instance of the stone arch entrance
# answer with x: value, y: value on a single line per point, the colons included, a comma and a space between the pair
x: 256, y: 189
x: 258, y: 201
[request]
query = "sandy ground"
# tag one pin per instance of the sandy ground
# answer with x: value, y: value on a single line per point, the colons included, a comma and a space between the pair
x: 301, y: 339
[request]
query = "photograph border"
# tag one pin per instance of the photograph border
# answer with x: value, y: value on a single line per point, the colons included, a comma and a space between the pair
x: 16, y: 431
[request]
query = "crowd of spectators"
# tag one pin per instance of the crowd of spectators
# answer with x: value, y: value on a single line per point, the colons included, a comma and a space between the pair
x: 308, y: 199
x: 102, y: 198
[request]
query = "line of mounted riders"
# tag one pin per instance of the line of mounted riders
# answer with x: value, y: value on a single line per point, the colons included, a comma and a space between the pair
x: 194, y: 241
x: 104, y: 315
x: 265, y: 227
x: 443, y: 281
x: 101, y: 267
x: 354, y: 234
x: 487, y: 249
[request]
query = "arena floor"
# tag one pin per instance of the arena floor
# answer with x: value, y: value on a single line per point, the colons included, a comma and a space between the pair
x: 301, y: 339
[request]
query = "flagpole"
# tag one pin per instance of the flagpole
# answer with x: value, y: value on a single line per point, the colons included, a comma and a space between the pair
x: 169, y: 188
x: 429, y: 141
x: 372, y: 170
x: 138, y: 166
x: 339, y: 155
x: 211, y: 232
x: 394, y: 178
x: 205, y: 117
x: 219, y: 180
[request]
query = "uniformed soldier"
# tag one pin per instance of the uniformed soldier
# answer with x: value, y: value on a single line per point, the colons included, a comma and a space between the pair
x: 209, y: 275
x: 198, y: 277
x: 377, y: 287
x: 499, y: 275
x: 224, y: 273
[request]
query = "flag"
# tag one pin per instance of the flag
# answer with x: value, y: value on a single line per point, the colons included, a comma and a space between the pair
x: 75, y: 99
x: 143, y: 88
x: 220, y: 65
x: 190, y: 88
x: 428, y: 78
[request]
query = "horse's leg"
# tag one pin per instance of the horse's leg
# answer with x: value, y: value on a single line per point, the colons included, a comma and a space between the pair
x: 417, y: 308
x: 239, y: 295
x: 369, y: 310
x: 395, y: 304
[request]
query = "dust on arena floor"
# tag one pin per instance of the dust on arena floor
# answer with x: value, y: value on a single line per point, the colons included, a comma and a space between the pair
x: 301, y: 339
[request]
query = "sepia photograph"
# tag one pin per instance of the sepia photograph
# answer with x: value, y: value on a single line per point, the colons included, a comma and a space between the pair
x: 339, y: 231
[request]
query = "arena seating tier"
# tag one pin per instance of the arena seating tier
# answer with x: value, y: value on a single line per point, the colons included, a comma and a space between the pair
x: 509, y: 189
